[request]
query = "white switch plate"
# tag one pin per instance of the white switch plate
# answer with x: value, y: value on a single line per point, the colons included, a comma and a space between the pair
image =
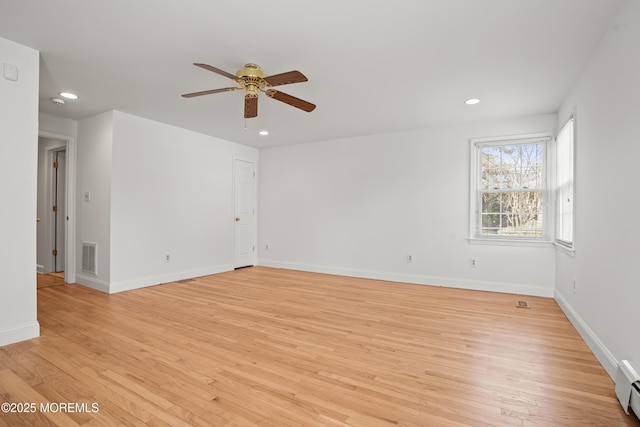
x: 10, y: 72
x: 87, y: 196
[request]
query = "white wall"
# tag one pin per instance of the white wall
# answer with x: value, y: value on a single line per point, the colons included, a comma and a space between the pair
x: 19, y: 139
x: 607, y: 237
x: 156, y: 190
x: 172, y: 194
x: 94, y: 161
x: 60, y: 127
x: 358, y: 206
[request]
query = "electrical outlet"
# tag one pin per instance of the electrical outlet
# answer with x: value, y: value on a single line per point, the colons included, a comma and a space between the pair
x: 167, y: 258
x: 473, y: 263
x: 409, y: 257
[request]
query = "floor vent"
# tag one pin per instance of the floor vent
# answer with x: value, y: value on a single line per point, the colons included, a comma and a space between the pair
x: 522, y: 304
x: 89, y: 258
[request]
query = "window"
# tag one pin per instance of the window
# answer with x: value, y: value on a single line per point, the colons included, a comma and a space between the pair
x: 510, y: 193
x: 564, y: 185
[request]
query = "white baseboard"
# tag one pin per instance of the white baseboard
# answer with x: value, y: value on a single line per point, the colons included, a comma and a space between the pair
x: 19, y: 333
x: 40, y: 268
x: 604, y: 356
x: 144, y: 282
x: 92, y: 282
x: 448, y: 282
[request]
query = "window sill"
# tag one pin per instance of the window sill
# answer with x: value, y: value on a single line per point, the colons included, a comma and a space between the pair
x: 510, y: 242
x: 565, y: 249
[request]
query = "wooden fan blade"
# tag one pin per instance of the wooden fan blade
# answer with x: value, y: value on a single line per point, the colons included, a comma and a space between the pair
x: 285, y: 78
x: 250, y: 107
x: 209, y: 92
x: 291, y: 100
x: 217, y: 71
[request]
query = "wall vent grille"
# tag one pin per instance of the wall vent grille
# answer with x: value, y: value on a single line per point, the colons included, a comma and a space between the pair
x: 89, y: 258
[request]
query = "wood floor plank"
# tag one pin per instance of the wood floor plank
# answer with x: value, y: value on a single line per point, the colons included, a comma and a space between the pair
x: 15, y: 390
x: 270, y: 347
x: 52, y: 279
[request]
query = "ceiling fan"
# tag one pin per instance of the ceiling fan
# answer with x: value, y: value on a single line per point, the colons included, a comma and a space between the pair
x: 253, y: 80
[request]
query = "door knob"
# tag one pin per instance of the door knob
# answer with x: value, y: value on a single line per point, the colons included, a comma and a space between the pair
x: 237, y: 219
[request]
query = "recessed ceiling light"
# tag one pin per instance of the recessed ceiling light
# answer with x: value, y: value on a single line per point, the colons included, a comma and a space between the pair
x: 264, y: 132
x: 68, y: 95
x: 57, y: 101
x: 472, y: 101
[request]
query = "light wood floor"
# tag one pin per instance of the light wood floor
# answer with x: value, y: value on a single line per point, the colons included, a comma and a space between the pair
x: 270, y: 347
x: 51, y: 279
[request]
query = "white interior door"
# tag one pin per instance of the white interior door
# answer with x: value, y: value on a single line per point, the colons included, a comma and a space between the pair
x: 60, y: 201
x: 244, y: 206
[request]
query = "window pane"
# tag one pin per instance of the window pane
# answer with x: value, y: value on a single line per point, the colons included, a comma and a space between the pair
x: 510, y: 202
x: 532, y: 163
x: 511, y: 166
x: 491, y: 202
x: 531, y: 202
x: 506, y: 222
x: 512, y: 182
x: 491, y: 221
x: 491, y: 161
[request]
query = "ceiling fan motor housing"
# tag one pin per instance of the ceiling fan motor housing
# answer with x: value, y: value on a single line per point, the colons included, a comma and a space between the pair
x: 251, y: 70
x: 251, y: 78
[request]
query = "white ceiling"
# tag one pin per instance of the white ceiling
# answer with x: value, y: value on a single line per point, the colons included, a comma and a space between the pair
x: 373, y: 66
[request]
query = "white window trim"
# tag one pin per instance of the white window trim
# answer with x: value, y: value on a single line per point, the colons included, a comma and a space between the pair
x: 563, y: 245
x: 474, y: 202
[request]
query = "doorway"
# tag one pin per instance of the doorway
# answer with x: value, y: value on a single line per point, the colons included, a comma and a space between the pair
x: 55, y: 206
x: 244, y: 176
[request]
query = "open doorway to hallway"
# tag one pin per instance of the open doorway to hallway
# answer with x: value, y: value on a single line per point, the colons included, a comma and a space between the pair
x: 52, y: 206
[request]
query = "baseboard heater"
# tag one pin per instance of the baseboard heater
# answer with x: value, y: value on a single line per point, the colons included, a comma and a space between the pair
x: 628, y: 387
